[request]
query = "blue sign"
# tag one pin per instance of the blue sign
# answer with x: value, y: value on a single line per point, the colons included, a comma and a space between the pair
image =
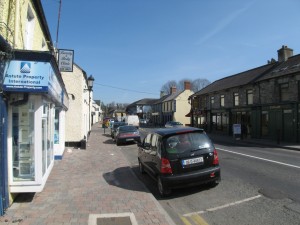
x: 25, y: 76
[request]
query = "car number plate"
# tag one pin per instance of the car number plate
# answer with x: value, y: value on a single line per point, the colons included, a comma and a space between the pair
x: 187, y: 162
x: 129, y: 139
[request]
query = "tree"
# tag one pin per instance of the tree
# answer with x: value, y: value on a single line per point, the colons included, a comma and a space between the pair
x: 199, y: 84
x: 166, y: 88
x: 181, y: 84
x: 196, y: 85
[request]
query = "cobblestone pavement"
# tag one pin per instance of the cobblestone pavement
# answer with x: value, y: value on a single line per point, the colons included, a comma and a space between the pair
x: 85, y: 185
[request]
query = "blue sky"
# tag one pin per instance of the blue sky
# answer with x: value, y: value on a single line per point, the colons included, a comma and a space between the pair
x: 133, y: 47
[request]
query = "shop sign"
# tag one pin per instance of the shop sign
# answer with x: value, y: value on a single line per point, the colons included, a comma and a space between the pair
x: 31, y: 76
x: 65, y: 60
x: 237, y: 129
x: 27, y: 76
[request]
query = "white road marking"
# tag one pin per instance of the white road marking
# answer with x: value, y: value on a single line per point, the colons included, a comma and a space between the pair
x: 255, y: 157
x: 223, y: 206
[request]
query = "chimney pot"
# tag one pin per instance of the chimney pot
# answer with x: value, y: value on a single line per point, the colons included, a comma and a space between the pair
x: 173, y: 89
x: 284, y: 53
x: 187, y: 85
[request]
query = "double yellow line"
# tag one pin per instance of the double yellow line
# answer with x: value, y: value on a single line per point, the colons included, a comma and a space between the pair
x: 193, y: 219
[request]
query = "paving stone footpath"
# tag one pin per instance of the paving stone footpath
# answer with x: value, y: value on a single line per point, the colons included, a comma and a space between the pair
x: 91, y: 186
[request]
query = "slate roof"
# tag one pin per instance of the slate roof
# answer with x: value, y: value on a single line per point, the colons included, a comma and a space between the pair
x: 292, y: 65
x: 144, y: 101
x: 161, y: 99
x: 172, y: 96
x: 236, y: 80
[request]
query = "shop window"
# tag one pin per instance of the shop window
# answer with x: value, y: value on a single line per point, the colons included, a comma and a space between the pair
x: 250, y: 97
x: 219, y: 121
x: 23, y: 142
x: 56, y: 127
x: 47, y: 140
x: 225, y: 121
x: 265, y: 123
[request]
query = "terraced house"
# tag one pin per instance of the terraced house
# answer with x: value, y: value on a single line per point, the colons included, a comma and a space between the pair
x: 33, y: 100
x: 263, y: 100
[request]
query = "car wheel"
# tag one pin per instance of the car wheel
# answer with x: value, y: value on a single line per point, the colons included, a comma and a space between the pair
x: 163, y: 191
x: 141, y: 167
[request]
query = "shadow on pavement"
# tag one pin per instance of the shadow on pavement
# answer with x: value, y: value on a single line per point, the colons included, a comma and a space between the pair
x: 124, y: 178
x: 151, y: 185
x: 24, y: 197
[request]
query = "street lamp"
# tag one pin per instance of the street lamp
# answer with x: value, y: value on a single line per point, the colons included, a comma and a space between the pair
x: 90, y: 81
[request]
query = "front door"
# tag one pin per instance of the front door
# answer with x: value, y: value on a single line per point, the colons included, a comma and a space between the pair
x: 289, y: 133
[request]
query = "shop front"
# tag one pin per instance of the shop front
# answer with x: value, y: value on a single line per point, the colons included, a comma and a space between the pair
x: 37, y: 101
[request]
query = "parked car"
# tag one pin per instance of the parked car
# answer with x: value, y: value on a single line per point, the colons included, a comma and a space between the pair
x: 173, y: 124
x: 133, y: 120
x: 143, y: 122
x: 179, y: 157
x: 126, y: 134
x: 114, y: 128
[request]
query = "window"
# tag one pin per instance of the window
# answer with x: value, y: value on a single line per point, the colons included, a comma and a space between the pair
x: 222, y: 100
x: 23, y: 142
x: 249, y: 97
x: 148, y: 139
x: 29, y: 29
x: 284, y: 94
x: 235, y: 99
x: 212, y: 100
x: 174, y: 106
x: 56, y: 127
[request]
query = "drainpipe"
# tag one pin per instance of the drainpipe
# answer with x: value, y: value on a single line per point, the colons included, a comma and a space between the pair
x: 17, y: 21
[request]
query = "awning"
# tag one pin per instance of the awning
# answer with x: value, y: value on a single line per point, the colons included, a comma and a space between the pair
x: 189, y: 114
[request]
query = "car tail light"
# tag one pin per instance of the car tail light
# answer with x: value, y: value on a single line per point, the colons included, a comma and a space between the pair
x: 165, y: 166
x: 122, y: 135
x: 216, y: 158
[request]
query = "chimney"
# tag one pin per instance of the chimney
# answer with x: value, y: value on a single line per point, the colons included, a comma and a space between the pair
x: 187, y: 85
x: 284, y: 53
x: 173, y: 90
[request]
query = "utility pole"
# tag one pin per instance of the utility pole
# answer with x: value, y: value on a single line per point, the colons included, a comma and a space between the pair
x: 56, y: 41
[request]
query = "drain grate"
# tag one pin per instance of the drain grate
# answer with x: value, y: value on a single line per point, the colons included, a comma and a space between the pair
x: 112, y: 219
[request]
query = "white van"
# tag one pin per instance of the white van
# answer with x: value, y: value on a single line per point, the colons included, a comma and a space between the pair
x: 132, y: 120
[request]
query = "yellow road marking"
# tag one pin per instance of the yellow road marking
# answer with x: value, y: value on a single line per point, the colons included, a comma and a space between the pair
x: 199, y: 219
x: 185, y: 220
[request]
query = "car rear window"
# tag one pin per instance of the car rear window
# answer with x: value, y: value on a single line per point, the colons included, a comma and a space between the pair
x: 187, y: 142
x: 127, y: 129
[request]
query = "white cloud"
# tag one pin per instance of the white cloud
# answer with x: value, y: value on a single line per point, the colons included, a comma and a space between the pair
x: 224, y: 23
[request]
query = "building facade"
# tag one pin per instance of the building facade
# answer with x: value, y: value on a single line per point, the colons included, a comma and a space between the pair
x: 176, y: 105
x: 263, y: 100
x: 33, y: 100
x: 79, y: 114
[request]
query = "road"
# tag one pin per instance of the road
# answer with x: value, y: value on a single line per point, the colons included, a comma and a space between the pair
x: 259, y: 186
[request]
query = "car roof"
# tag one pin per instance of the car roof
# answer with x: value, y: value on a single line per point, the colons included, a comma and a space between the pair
x: 176, y: 130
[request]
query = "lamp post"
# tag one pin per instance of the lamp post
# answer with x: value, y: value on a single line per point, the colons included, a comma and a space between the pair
x: 90, y: 88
